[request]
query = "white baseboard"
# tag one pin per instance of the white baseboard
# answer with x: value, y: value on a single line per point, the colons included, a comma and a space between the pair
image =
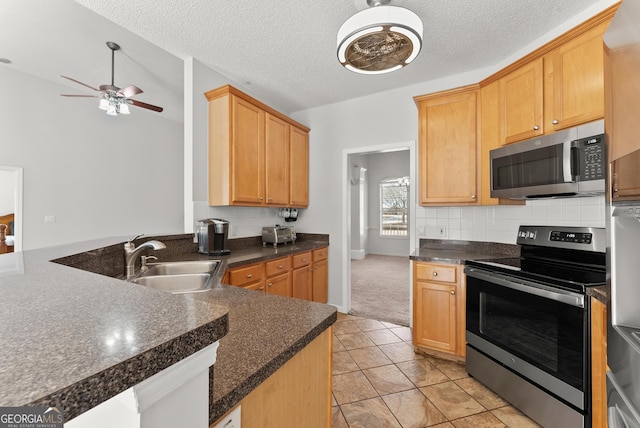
x: 357, y: 254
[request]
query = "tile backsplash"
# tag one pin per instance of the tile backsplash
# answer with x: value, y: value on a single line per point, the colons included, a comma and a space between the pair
x: 500, y: 223
x: 244, y: 222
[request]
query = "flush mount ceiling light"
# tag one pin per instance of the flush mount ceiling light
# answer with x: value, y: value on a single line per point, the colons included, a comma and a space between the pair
x: 380, y: 39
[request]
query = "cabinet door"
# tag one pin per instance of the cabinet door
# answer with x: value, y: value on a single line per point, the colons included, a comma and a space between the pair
x: 521, y: 97
x: 448, y: 149
x: 276, y: 161
x: 435, y: 316
x: 301, y: 283
x: 280, y: 285
x: 575, y: 76
x: 320, y: 281
x: 625, y: 177
x: 247, y: 153
x: 256, y: 286
x: 299, y: 167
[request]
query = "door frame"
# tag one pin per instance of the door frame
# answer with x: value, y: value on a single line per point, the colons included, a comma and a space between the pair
x: 346, y: 212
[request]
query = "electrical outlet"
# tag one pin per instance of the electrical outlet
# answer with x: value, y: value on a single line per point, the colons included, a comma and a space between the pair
x: 442, y: 231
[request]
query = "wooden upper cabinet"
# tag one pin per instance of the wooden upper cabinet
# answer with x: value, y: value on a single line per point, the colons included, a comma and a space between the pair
x: 250, y: 153
x: 448, y: 141
x: 574, y: 81
x: 277, y: 160
x: 521, y: 101
x: 247, y: 152
x: 299, y: 168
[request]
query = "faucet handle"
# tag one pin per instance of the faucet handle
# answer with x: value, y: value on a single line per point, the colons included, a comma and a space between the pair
x: 136, y: 237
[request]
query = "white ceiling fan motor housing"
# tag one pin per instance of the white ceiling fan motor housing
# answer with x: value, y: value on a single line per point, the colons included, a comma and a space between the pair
x: 379, y: 40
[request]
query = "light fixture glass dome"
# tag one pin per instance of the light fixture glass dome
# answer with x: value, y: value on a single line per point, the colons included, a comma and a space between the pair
x: 380, y: 39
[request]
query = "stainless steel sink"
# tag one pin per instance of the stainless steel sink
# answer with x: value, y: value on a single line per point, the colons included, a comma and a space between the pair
x: 179, y: 277
x: 181, y: 268
x: 177, y: 284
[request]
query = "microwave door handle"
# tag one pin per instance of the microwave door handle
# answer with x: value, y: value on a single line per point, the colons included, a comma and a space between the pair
x: 567, y: 162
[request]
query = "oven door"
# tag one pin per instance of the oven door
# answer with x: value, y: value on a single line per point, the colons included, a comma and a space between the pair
x: 537, y: 331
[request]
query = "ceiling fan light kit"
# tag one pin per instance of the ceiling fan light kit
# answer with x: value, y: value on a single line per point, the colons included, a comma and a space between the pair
x: 380, y: 39
x: 115, y: 100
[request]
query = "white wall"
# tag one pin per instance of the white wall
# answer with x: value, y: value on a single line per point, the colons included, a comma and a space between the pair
x: 98, y: 175
x: 383, y: 166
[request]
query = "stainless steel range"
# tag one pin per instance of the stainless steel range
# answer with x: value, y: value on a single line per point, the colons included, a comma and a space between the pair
x: 528, y: 319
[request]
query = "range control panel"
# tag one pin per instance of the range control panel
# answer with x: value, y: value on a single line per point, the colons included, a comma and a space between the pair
x: 579, y: 238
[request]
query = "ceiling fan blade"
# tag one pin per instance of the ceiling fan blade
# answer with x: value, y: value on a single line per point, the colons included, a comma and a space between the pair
x: 80, y: 83
x: 145, y: 105
x: 129, y: 91
x: 76, y: 95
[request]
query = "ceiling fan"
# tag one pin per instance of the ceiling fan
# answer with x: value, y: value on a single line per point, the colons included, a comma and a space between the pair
x: 113, y: 99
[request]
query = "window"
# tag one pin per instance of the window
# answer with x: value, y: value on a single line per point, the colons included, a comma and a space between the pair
x: 393, y: 206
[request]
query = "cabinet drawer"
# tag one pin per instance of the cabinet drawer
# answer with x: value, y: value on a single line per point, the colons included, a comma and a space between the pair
x: 302, y: 259
x: 320, y: 254
x: 246, y: 275
x: 278, y: 266
x: 435, y: 272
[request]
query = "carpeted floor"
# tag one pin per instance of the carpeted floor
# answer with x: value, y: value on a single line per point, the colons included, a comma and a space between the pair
x: 380, y: 288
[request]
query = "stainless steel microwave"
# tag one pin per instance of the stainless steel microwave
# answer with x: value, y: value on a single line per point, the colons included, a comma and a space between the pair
x: 571, y: 162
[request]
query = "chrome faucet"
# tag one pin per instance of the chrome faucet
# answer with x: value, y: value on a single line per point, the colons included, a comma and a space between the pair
x: 131, y: 252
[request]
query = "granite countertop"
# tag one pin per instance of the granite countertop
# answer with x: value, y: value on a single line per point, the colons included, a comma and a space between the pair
x: 456, y: 252
x: 263, y: 331
x: 75, y: 339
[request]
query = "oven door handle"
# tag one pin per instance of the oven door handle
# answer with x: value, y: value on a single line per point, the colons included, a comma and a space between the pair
x: 561, y: 296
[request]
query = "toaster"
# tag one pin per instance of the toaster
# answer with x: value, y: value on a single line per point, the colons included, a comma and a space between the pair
x: 277, y: 235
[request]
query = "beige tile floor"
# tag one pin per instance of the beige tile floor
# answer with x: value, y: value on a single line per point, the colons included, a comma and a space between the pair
x: 379, y: 381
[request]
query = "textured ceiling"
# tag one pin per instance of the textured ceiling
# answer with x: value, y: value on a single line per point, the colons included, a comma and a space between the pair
x: 284, y: 50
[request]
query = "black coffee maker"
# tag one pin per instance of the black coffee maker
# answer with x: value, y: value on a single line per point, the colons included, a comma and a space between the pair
x: 212, y: 236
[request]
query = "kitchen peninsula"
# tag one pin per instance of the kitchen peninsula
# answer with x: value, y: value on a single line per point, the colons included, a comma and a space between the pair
x: 74, y: 338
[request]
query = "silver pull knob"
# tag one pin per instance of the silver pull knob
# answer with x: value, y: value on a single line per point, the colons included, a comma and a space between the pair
x: 261, y: 288
x: 555, y: 121
x: 270, y: 284
x: 473, y: 196
x: 269, y: 199
x: 435, y: 274
x: 249, y: 275
x: 280, y: 267
x: 453, y: 293
x: 536, y: 127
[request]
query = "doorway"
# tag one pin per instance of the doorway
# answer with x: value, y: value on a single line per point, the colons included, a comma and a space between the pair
x: 11, y: 179
x: 380, y: 232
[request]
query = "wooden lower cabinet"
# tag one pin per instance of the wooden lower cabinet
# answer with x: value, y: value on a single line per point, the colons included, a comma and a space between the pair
x: 439, y: 309
x: 598, y: 363
x: 303, y: 276
x: 320, y: 276
x: 298, y: 394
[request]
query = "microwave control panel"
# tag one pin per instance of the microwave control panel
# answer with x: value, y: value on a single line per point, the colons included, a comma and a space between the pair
x: 592, y: 158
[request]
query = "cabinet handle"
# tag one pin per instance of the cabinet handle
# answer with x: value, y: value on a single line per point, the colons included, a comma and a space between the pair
x: 453, y: 292
x: 555, y: 121
x: 280, y: 267
x: 270, y: 284
x: 269, y: 199
x: 473, y: 196
x: 249, y: 275
x: 261, y: 288
x: 435, y: 273
x: 536, y: 127
x: 261, y: 199
x: 304, y: 260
